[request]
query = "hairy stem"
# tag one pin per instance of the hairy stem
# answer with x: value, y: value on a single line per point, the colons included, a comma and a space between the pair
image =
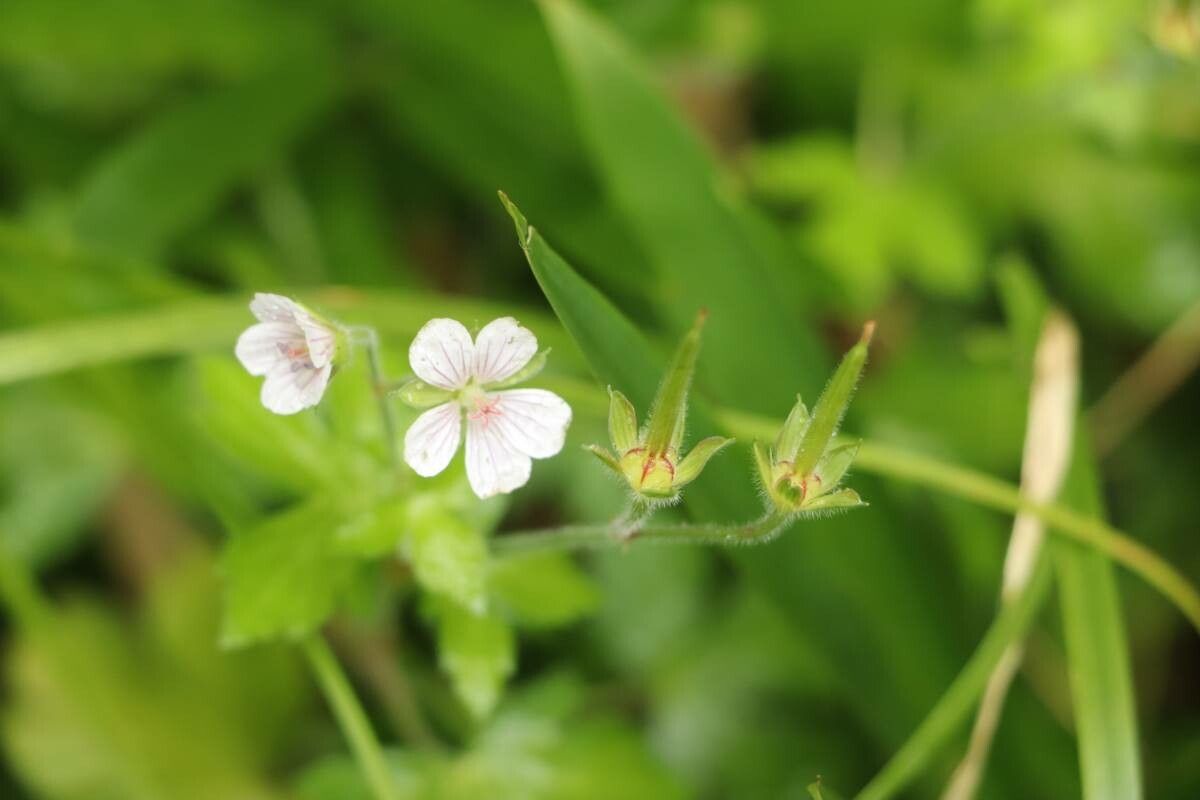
x: 350, y: 716
x: 584, y: 537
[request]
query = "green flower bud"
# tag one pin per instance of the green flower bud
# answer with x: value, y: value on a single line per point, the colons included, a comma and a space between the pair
x: 803, y: 471
x: 650, y: 462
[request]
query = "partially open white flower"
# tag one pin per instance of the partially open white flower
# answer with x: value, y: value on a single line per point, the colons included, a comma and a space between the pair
x: 293, y: 348
x: 505, y: 429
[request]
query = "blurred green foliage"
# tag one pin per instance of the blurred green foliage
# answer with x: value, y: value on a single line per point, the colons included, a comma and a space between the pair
x: 948, y: 169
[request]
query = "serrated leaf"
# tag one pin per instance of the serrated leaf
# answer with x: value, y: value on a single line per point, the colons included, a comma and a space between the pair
x: 542, y: 591
x: 284, y: 577
x: 478, y: 651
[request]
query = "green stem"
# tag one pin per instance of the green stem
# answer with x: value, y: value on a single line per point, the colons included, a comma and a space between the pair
x: 380, y: 388
x: 350, y: 716
x: 959, y: 700
x: 985, y: 490
x: 989, y: 491
x: 591, y: 537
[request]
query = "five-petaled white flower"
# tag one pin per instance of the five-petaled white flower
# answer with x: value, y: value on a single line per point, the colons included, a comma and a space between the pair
x: 505, y: 429
x: 293, y: 348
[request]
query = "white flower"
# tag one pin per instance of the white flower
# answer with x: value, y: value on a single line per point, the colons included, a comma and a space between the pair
x: 505, y: 429
x: 293, y: 348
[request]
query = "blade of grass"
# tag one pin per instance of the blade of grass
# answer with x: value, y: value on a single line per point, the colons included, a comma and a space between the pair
x: 951, y: 712
x: 1052, y: 408
x: 1097, y: 652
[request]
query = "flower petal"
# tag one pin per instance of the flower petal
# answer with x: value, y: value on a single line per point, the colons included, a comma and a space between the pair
x: 534, y: 421
x: 320, y: 338
x: 502, y: 348
x: 442, y: 354
x: 432, y: 440
x: 262, y: 346
x: 494, y: 465
x: 291, y: 386
x: 274, y: 308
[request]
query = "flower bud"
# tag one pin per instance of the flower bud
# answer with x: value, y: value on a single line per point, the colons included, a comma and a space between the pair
x: 650, y: 460
x: 803, y: 470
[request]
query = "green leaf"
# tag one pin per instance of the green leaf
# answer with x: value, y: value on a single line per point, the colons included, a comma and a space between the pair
x: 58, y: 466
x: 293, y: 451
x: 447, y: 552
x: 183, y: 163
x: 958, y: 702
x: 616, y: 351
x: 1097, y: 651
x: 96, y: 697
x: 376, y: 531
x: 708, y: 249
x: 284, y: 577
x: 507, y: 126
x: 478, y: 651
x: 542, y: 590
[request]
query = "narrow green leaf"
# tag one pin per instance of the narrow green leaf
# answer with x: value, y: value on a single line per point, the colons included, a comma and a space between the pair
x: 173, y: 173
x: 949, y: 715
x: 615, y: 349
x: 1097, y: 651
x: 706, y: 247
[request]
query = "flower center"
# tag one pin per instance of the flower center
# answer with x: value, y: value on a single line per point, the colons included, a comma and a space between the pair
x: 296, y: 353
x: 479, y: 405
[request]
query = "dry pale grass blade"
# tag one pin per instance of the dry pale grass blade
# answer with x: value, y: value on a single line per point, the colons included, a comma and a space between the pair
x: 1152, y: 378
x: 1047, y: 453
